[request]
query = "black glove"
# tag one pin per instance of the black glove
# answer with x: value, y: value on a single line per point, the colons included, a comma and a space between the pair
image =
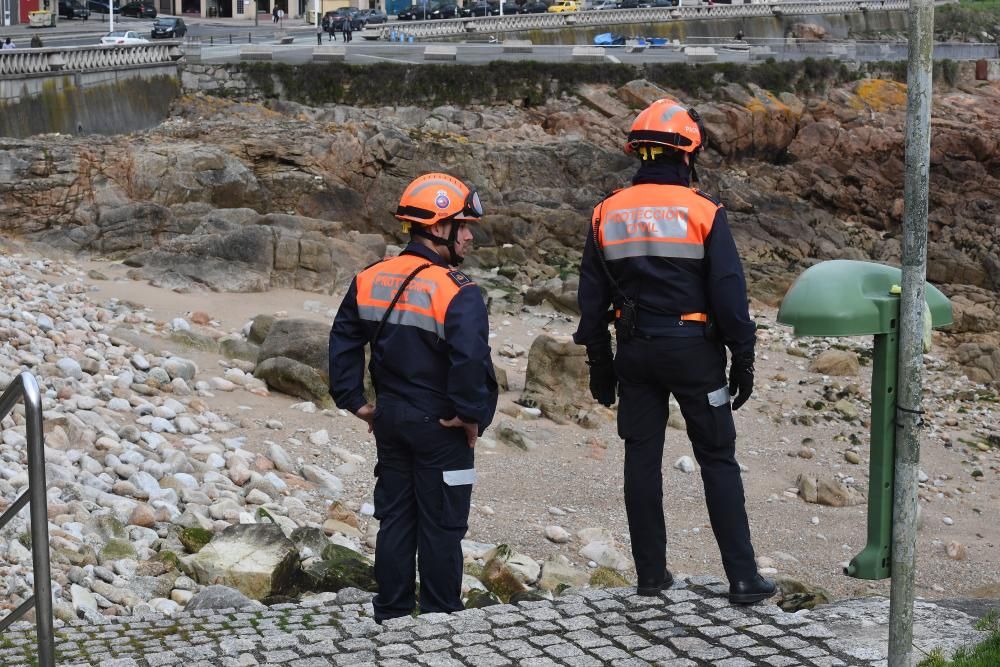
x: 741, y: 378
x: 603, y: 382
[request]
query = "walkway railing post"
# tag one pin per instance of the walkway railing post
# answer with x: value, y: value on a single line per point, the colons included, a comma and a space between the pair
x: 25, y: 386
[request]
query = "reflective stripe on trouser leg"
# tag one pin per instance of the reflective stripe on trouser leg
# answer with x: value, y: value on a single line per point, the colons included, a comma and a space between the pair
x: 443, y: 499
x: 713, y: 438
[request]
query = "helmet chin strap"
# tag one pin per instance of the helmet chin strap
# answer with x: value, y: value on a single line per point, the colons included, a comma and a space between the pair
x: 449, y: 242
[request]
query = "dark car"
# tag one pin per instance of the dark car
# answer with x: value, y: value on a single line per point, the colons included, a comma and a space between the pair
x: 485, y: 9
x: 168, y: 27
x: 335, y: 20
x: 140, y: 10
x: 73, y: 9
x: 375, y: 16
x: 449, y: 10
x: 416, y: 13
x: 536, y: 7
x: 628, y: 4
x: 98, y: 7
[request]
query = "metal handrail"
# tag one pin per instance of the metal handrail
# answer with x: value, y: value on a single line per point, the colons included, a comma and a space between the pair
x: 25, y: 386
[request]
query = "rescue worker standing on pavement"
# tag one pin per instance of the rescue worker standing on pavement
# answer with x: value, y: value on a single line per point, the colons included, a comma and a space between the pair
x: 426, y: 325
x: 661, y: 255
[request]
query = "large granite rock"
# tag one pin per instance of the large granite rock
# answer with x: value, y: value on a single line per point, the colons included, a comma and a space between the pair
x: 557, y: 381
x: 256, y: 559
x: 340, y: 568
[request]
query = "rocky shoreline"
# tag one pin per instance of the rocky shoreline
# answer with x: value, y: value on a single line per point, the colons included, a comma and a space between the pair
x: 169, y: 460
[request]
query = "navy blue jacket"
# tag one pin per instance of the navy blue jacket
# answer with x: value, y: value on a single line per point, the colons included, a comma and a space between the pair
x: 433, y: 352
x: 712, y: 284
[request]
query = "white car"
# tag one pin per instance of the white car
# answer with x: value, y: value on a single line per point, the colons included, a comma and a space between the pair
x: 122, y: 37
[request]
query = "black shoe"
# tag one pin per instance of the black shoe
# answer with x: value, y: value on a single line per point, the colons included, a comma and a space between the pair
x: 651, y: 588
x: 751, y: 590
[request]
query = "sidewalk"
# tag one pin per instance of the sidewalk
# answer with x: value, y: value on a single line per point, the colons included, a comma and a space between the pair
x: 690, y: 624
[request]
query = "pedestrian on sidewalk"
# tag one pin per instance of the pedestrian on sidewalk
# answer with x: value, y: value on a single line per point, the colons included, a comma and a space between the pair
x: 36, y: 42
x: 7, y: 44
x: 274, y: 15
x: 348, y: 29
x: 660, y: 261
x: 427, y: 329
x: 281, y: 17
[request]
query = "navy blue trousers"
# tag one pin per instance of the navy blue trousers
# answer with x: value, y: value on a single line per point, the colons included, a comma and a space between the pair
x: 422, y: 496
x: 690, y: 368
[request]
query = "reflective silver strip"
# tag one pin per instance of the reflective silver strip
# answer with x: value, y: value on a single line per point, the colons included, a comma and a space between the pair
x: 404, y: 317
x: 719, y: 397
x: 459, y: 477
x: 671, y: 112
x: 438, y: 183
x: 654, y: 249
x: 665, y: 222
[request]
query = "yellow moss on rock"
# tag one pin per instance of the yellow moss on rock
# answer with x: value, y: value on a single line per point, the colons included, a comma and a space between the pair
x: 882, y: 94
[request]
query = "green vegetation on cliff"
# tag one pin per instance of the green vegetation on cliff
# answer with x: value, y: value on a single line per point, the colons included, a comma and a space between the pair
x: 527, y: 83
x: 967, y: 19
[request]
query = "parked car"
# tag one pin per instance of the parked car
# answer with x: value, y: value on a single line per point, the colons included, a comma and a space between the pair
x: 123, y: 37
x: 140, y: 10
x: 73, y: 9
x: 98, y: 7
x: 168, y: 27
x: 602, y: 5
x: 628, y: 4
x: 335, y: 20
x: 416, y: 13
x: 373, y: 16
x: 564, y: 6
x: 484, y: 9
x: 448, y: 10
x: 533, y: 7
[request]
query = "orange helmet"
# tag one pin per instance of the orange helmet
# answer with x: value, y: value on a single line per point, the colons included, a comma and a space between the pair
x: 438, y: 197
x: 667, y: 123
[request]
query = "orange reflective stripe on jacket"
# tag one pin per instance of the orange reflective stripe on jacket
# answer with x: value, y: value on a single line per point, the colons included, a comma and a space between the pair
x: 655, y: 221
x: 425, y: 302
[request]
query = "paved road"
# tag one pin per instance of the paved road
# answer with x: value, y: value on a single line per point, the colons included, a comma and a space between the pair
x: 691, y: 624
x: 359, y: 52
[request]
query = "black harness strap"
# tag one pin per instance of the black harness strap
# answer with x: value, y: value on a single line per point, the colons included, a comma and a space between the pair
x: 395, y: 300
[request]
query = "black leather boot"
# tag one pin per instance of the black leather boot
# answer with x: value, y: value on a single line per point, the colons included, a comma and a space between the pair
x: 752, y: 590
x: 651, y: 588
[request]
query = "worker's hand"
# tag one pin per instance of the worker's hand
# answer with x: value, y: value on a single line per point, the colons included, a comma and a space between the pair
x: 367, y: 413
x: 471, y: 430
x: 741, y: 379
x: 603, y: 381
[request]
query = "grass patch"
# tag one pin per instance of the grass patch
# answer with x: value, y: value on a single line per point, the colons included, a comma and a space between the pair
x: 990, y: 622
x: 984, y: 654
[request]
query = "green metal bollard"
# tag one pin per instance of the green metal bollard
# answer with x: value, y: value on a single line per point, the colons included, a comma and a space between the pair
x: 851, y: 298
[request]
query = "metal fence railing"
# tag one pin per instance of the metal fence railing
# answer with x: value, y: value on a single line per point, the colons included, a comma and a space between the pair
x: 25, y: 386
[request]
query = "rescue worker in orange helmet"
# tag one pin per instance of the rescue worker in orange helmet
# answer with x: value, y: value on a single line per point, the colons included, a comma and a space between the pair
x: 426, y: 325
x: 661, y: 255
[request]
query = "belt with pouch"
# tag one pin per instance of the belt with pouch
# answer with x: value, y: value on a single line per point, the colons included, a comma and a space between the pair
x: 655, y: 325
